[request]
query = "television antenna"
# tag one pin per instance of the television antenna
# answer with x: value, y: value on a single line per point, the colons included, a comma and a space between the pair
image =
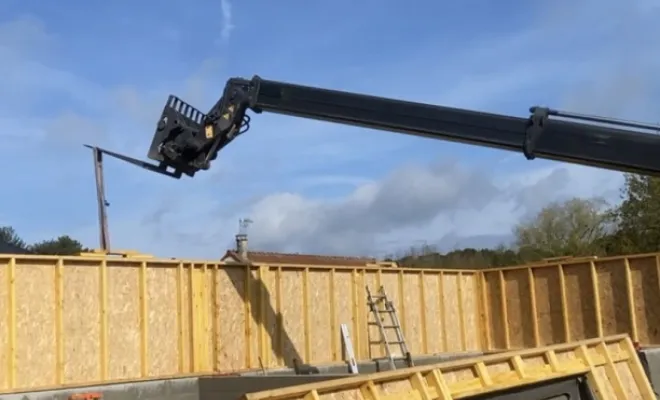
x: 243, y: 225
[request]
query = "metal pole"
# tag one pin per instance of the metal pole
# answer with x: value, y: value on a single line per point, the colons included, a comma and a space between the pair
x: 104, y: 236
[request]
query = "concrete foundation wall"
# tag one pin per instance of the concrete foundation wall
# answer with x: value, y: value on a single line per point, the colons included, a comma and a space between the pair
x: 233, y: 388
x: 366, y: 367
x: 194, y: 388
x: 165, y: 389
x: 225, y: 387
x: 650, y: 359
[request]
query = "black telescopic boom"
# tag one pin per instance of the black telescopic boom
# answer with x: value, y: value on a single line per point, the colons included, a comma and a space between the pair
x: 188, y: 140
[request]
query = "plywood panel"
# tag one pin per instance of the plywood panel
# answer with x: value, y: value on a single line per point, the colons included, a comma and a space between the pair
x: 471, y: 312
x: 612, y: 294
x: 433, y: 325
x: 645, y: 287
x: 131, y: 319
x: 574, y: 300
x: 413, y: 297
x: 293, y: 311
x: 548, y: 305
x: 6, y: 375
x: 163, y: 350
x: 232, y: 292
x: 253, y: 315
x: 519, y: 316
x: 123, y: 322
x: 82, y: 330
x: 320, y: 338
x: 123, y: 318
x: 610, y: 364
x: 274, y: 316
x: 495, y: 310
x: 361, y: 313
x: 35, y: 325
x: 184, y: 317
x: 453, y: 316
x: 344, y: 300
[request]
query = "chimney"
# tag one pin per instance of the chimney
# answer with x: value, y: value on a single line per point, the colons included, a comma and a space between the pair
x: 242, y: 246
x: 242, y: 239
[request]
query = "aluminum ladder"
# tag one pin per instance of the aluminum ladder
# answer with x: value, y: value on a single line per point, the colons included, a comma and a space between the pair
x: 387, y: 321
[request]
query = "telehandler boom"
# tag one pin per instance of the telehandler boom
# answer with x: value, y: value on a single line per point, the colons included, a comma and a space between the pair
x: 187, y: 140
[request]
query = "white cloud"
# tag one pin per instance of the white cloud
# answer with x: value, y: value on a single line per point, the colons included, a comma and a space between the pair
x: 227, y: 20
x: 429, y: 201
x: 445, y: 203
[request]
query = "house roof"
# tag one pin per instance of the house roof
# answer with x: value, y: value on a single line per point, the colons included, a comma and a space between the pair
x: 299, y: 259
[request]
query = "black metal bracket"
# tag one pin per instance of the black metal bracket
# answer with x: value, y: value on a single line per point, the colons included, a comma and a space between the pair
x: 161, y: 169
x: 228, y: 118
x: 534, y: 130
x: 187, y: 140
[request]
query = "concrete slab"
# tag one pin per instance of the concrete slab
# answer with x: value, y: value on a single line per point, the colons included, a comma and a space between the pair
x: 195, y: 388
x: 165, y: 389
x: 226, y: 387
x: 365, y: 367
x: 234, y: 387
x: 650, y: 358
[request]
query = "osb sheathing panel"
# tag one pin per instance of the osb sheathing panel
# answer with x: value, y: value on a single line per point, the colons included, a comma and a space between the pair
x: 610, y: 365
x: 5, y: 375
x: 556, y: 303
x: 319, y: 323
x: 74, y: 320
x: 68, y: 321
x: 297, y: 313
x: 233, y: 331
x: 439, y: 311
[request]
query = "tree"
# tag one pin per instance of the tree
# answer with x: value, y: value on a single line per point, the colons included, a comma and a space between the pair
x: 468, y: 258
x: 9, y: 236
x: 574, y: 227
x: 62, y: 246
x: 637, y: 218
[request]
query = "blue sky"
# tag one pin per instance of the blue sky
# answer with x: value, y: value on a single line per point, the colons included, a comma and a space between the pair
x: 77, y: 72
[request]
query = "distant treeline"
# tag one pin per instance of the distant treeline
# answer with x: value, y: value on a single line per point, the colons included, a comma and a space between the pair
x: 11, y: 242
x: 576, y: 227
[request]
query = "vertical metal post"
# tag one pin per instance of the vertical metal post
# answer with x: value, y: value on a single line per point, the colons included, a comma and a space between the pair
x: 104, y: 236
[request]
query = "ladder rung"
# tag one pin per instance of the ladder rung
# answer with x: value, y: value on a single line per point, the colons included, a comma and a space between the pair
x: 385, y: 343
x: 394, y: 358
x: 374, y: 303
x: 384, y: 326
x: 388, y: 311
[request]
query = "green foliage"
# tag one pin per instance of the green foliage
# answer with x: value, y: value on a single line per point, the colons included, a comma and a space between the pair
x: 637, y: 218
x: 459, y: 259
x: 62, y: 245
x: 576, y: 227
x: 571, y: 228
x: 8, y: 235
